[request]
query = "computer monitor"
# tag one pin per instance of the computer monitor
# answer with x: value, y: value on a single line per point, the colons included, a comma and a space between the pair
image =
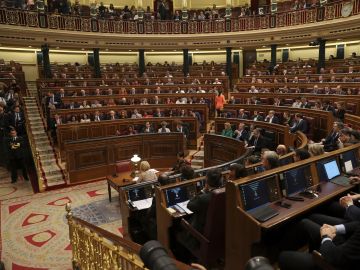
x: 349, y: 161
x: 320, y: 165
x: 176, y: 195
x: 331, y: 169
x: 296, y: 180
x: 140, y: 193
x: 255, y: 194
x: 137, y: 194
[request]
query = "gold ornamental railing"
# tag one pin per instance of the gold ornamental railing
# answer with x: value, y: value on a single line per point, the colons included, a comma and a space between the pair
x: 94, y: 248
x: 330, y: 11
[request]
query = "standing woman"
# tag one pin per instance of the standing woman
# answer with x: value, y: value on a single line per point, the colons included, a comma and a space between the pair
x: 219, y: 103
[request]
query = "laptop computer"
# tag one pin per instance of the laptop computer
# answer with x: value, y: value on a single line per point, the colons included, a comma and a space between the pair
x: 350, y: 163
x: 333, y: 174
x: 256, y: 200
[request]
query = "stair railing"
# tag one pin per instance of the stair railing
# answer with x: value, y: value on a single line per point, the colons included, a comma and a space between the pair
x: 35, y: 154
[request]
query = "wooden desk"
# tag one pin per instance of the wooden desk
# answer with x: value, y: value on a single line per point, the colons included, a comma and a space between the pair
x: 242, y: 230
x: 119, y: 181
x: 95, y: 158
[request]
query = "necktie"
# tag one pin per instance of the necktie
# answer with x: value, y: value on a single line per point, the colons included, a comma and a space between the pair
x: 163, y: 130
x: 255, y: 142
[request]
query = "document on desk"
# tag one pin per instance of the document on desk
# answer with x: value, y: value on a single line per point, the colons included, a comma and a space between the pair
x: 183, y: 205
x: 142, y: 204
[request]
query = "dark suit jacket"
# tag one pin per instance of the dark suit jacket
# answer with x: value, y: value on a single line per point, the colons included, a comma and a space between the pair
x: 244, y: 116
x: 4, y: 124
x: 258, y: 118
x: 15, y: 123
x: 353, y: 213
x: 185, y: 131
x: 301, y: 126
x: 306, y: 106
x: 199, y: 205
x: 260, y: 143
x: 346, y: 255
x: 275, y: 120
x: 151, y: 130
x: 330, y: 142
x: 243, y: 137
x: 15, y: 148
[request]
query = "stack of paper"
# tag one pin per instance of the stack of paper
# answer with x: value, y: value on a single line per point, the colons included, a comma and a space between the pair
x: 143, y: 204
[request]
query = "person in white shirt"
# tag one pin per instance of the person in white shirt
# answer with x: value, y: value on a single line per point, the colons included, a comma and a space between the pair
x: 297, y: 103
x: 136, y: 114
x: 85, y: 119
x: 84, y: 105
x: 217, y: 81
x: 253, y: 89
x: 163, y: 128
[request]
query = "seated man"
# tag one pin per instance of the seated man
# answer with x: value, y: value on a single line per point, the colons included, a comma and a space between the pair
x: 149, y: 225
x: 281, y: 150
x: 241, y: 133
x: 187, y: 173
x: 199, y: 206
x: 330, y: 142
x: 339, y: 245
x: 299, y: 125
x: 256, y: 141
x: 270, y: 160
x: 272, y: 118
x: 237, y: 171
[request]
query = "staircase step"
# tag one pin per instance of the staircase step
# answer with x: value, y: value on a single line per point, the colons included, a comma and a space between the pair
x: 196, y: 167
x: 199, y: 155
x: 197, y: 162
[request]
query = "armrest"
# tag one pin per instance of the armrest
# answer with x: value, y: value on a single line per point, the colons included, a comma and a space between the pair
x: 320, y: 262
x: 202, y: 239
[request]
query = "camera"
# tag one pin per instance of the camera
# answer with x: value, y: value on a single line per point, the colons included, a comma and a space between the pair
x: 155, y: 257
x: 258, y: 263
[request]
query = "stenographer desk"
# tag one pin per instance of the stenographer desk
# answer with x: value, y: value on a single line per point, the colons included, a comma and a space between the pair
x: 242, y: 230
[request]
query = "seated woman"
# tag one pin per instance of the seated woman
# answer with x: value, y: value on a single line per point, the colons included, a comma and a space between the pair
x: 131, y: 130
x: 84, y: 118
x: 316, y: 149
x: 145, y: 173
x: 227, y: 131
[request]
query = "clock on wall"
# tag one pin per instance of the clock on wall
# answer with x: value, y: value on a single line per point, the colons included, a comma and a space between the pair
x: 347, y: 9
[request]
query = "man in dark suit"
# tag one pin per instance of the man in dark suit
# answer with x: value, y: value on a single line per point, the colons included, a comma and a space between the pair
x: 331, y: 141
x: 328, y: 107
x: 180, y: 127
x: 158, y: 113
x: 17, y: 120
x: 241, y: 133
x: 257, y: 117
x: 272, y: 118
x: 256, y: 141
x: 15, y: 147
x: 299, y: 125
x: 199, y: 206
x: 242, y: 114
x: 305, y: 104
x: 149, y: 225
x: 98, y: 117
x: 339, y: 246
